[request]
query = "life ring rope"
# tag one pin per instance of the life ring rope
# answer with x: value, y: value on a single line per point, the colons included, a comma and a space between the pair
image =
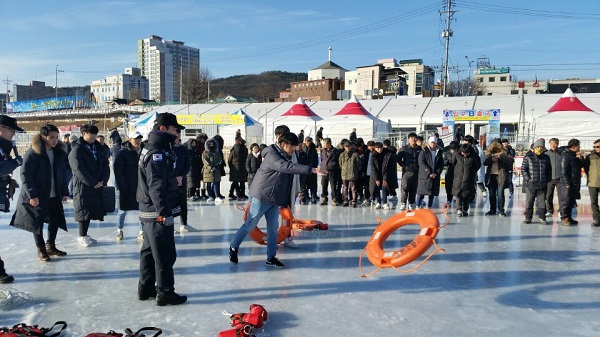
x: 420, y: 264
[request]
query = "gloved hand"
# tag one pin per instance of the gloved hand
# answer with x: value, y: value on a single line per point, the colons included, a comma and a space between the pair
x: 169, y: 221
x: 18, y: 160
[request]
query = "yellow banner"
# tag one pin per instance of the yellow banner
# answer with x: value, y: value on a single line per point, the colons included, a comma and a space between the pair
x: 222, y: 119
x: 471, y: 118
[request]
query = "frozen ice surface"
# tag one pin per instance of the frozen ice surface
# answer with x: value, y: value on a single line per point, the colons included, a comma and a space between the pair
x: 497, y: 277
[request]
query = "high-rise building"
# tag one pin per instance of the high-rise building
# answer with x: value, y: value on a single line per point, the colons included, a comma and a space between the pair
x: 165, y: 64
x: 130, y: 85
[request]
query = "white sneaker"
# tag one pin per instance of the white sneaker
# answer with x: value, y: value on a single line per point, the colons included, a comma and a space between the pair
x: 218, y: 200
x: 210, y: 199
x: 83, y: 242
x: 141, y: 236
x: 365, y: 203
x: 402, y: 207
x: 187, y: 228
x: 386, y: 206
x: 377, y: 206
x: 289, y: 243
x: 119, y: 234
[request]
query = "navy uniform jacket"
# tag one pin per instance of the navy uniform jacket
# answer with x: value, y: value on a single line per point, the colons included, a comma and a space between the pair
x: 157, y: 178
x: 7, y: 166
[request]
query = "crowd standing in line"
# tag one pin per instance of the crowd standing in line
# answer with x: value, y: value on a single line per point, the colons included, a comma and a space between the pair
x: 159, y: 176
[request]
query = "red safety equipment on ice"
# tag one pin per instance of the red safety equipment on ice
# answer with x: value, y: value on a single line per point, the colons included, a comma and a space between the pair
x: 23, y: 329
x: 244, y: 323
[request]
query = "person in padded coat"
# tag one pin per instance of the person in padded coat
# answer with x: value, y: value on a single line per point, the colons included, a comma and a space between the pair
x: 270, y: 190
x: 125, y: 168
x: 498, y: 163
x: 431, y: 165
x: 382, y: 173
x: 466, y: 163
x: 571, y: 162
x: 43, y: 191
x: 537, y: 172
x: 194, y: 176
x: 90, y: 175
x: 237, y: 170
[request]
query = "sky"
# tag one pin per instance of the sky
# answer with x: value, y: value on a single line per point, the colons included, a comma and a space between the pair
x: 89, y: 40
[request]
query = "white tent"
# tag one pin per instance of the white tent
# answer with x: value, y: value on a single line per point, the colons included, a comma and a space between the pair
x: 354, y: 116
x: 569, y: 118
x: 251, y: 130
x: 298, y: 117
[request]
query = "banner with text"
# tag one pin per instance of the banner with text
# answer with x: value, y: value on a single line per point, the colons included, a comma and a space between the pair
x: 216, y: 119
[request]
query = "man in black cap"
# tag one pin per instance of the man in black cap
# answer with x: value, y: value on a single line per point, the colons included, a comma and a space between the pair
x: 157, y: 195
x: 90, y: 174
x: 8, y: 127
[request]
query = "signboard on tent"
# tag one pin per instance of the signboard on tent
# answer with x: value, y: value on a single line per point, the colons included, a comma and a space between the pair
x: 492, y: 116
x: 220, y: 119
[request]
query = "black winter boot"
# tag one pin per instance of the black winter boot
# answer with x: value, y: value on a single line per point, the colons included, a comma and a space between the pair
x: 4, y: 277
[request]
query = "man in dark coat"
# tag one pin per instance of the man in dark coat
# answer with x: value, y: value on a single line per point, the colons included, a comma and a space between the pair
x: 352, y: 136
x: 537, y: 171
x: 182, y: 168
x: 270, y: 190
x: 8, y: 127
x: 90, y: 175
x: 125, y: 168
x: 43, y: 191
x: 466, y: 163
x: 301, y: 137
x: 431, y: 165
x: 220, y: 144
x: 330, y: 168
x: 195, y: 174
x: 449, y: 176
x: 570, y: 181
x: 116, y: 141
x: 253, y: 162
x: 308, y: 183
x: 383, y: 172
x: 554, y: 184
x: 319, y: 137
x: 408, y: 158
x: 237, y: 170
x: 511, y: 153
x: 104, y: 149
x: 157, y: 195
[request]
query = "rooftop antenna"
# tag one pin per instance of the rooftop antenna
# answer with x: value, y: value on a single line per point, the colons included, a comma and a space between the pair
x: 329, y: 49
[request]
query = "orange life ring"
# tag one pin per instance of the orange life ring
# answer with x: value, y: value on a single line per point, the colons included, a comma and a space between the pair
x: 308, y: 225
x: 429, y: 228
x: 284, y: 231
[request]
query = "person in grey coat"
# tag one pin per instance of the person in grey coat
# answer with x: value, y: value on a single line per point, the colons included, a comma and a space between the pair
x: 270, y: 190
x: 554, y: 153
x: 431, y: 165
x: 90, y: 175
x: 44, y: 189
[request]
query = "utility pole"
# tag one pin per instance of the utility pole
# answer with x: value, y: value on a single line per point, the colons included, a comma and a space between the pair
x: 5, y: 109
x: 447, y: 34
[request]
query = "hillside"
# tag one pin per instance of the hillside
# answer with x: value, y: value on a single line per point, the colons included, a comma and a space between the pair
x: 261, y: 87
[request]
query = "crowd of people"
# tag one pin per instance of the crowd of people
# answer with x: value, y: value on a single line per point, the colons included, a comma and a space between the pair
x: 158, y: 176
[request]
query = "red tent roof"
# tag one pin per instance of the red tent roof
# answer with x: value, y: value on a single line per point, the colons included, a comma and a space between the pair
x: 569, y: 102
x: 353, y: 107
x: 300, y: 109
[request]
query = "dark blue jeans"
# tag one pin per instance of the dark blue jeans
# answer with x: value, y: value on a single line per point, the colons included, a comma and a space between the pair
x: 496, y: 194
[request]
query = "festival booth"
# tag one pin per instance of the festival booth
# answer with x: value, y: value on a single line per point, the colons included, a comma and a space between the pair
x: 251, y: 130
x: 298, y: 117
x: 354, y: 116
x: 569, y: 118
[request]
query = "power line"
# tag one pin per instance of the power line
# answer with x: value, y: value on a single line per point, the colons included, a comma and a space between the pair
x: 527, y: 12
x: 339, y: 36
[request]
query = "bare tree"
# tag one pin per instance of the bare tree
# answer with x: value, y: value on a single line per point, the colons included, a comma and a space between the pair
x: 196, y: 86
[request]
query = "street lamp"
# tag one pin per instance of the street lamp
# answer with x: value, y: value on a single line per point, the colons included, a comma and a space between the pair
x: 56, y: 82
x: 469, y: 78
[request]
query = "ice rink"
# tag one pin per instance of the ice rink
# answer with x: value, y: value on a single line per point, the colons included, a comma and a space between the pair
x: 497, y: 277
